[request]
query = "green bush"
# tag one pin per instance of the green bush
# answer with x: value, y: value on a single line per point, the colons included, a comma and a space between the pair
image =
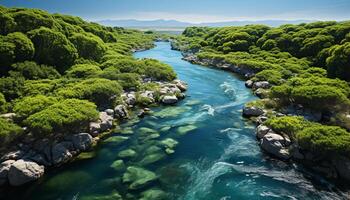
x: 272, y: 76
x: 126, y: 80
x: 24, y: 48
x: 68, y: 117
x: 97, y: 90
x: 89, y: 46
x: 32, y: 104
x: 83, y: 71
x: 325, y: 139
x: 53, y: 48
x: 31, y: 70
x: 319, y: 97
x: 288, y: 124
x: 2, y: 103
x: 9, y: 132
x: 11, y: 87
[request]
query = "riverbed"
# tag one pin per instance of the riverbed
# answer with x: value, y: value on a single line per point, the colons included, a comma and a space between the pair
x: 217, y: 155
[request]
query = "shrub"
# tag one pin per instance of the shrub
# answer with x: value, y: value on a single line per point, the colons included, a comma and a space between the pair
x: 2, y: 103
x: 8, y: 132
x: 53, y: 48
x: 31, y: 70
x: 319, y: 97
x: 287, y: 124
x: 32, y: 104
x: 83, y: 71
x: 67, y: 117
x: 11, y: 87
x: 325, y: 139
x: 97, y: 90
x: 272, y: 76
x: 88, y: 45
x: 126, y: 80
x: 24, y: 48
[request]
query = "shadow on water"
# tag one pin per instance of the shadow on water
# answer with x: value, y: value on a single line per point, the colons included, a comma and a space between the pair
x: 216, y: 154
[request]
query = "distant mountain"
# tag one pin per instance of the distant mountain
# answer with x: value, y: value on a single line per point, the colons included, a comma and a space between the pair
x: 141, y: 23
x: 161, y: 23
x: 265, y: 22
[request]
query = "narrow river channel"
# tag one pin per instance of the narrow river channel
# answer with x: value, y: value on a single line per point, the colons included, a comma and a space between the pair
x: 217, y: 156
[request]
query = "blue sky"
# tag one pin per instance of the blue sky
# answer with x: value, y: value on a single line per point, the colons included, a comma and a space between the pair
x: 194, y: 10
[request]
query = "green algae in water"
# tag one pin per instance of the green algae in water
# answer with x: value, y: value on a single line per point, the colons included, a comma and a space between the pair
x: 66, y: 179
x: 169, y: 143
x: 192, y: 102
x: 126, y: 131
x: 128, y: 153
x: 182, y: 130
x: 113, y: 196
x: 86, y: 155
x: 165, y: 129
x: 145, y: 130
x: 153, y: 194
x: 171, y: 112
x: 118, y: 165
x: 116, y: 139
x: 138, y: 177
x: 152, y: 158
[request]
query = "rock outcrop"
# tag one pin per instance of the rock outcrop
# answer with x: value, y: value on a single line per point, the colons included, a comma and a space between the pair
x: 24, y: 171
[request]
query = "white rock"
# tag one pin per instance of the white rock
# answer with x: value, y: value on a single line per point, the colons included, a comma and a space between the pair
x: 261, y: 131
x: 169, y: 99
x: 4, y: 169
x: 23, y: 171
x: 273, y: 144
x: 261, y: 84
x: 249, y: 83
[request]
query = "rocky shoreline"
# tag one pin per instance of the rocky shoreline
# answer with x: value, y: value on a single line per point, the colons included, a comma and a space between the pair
x: 30, y: 159
x: 277, y: 144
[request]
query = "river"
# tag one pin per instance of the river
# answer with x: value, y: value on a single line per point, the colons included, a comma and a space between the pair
x: 217, y: 156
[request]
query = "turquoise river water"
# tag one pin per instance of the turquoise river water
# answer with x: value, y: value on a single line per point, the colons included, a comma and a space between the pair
x: 217, y: 156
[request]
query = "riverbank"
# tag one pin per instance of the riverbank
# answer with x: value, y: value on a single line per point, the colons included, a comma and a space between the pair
x: 30, y: 159
x: 277, y: 143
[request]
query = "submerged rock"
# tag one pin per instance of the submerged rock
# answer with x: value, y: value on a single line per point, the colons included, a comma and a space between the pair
x: 116, y: 139
x: 118, y: 165
x: 128, y: 153
x: 23, y: 171
x: 113, y: 196
x: 152, y: 158
x: 138, y: 177
x: 153, y: 194
x: 169, y: 143
x: 182, y: 130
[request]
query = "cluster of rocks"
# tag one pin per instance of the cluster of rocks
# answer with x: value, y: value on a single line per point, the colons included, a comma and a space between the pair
x: 281, y: 146
x: 29, y: 161
x: 221, y: 64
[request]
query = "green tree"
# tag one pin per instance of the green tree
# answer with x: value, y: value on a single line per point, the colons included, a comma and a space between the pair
x: 53, y: 48
x: 89, y: 46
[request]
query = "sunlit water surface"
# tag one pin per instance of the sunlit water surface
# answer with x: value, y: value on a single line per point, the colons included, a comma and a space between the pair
x: 217, y: 156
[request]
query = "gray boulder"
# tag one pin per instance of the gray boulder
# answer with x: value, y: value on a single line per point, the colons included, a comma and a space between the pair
x: 82, y: 141
x: 169, y: 99
x: 109, y: 112
x: 149, y: 95
x: 252, y: 111
x: 4, y: 169
x: 61, y: 152
x: 273, y: 144
x: 261, y: 131
x: 106, y: 121
x: 121, y: 112
x: 342, y: 165
x: 23, y: 171
x: 13, y: 155
x: 261, y: 84
x: 181, y: 85
x: 130, y: 99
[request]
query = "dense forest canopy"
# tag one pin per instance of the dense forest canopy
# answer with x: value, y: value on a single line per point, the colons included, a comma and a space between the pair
x: 56, y: 71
